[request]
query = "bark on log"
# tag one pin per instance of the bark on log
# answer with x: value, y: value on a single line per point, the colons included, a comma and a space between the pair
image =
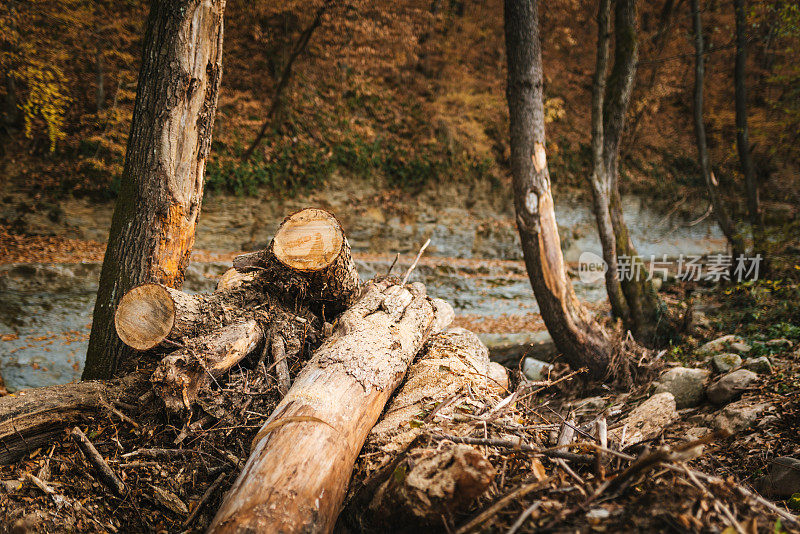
x: 31, y: 418
x: 421, y: 485
x: 308, y: 261
x: 301, y: 460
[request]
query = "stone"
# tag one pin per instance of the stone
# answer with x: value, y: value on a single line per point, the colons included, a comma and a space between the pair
x: 741, y: 347
x: 718, y: 345
x: 730, y: 386
x: 726, y: 361
x: 685, y: 384
x: 783, y: 479
x: 780, y: 342
x: 536, y: 370
x: 510, y: 348
x: 697, y: 432
x: 738, y: 416
x: 498, y: 378
x: 760, y: 365
x: 647, y: 420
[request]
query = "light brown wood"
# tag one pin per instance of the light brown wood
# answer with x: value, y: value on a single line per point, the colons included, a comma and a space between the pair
x: 301, y: 461
x: 150, y: 313
x: 181, y: 374
x: 233, y: 279
x: 307, y: 262
x: 309, y: 240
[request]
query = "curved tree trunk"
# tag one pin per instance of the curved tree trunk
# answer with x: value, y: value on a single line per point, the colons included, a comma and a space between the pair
x: 742, y: 131
x: 574, y: 330
x: 152, y: 231
x: 723, y: 220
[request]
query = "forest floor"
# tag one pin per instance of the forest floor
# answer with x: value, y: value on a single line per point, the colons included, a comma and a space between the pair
x: 176, y: 473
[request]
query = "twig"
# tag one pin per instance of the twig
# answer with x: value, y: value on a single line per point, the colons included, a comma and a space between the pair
x: 414, y: 265
x: 41, y: 484
x: 746, y: 493
x: 107, y: 476
x: 281, y: 367
x: 518, y: 446
x: 487, y: 514
x: 204, y: 499
x: 394, y: 262
x: 523, y: 516
x: 119, y: 414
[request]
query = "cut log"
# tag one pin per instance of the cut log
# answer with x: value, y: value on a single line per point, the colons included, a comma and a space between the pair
x: 308, y: 261
x: 302, y: 458
x: 181, y: 374
x: 150, y: 313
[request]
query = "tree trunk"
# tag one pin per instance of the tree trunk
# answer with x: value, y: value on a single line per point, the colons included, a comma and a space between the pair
x: 742, y: 132
x: 575, y: 332
x: 645, y: 308
x: 600, y: 180
x: 720, y: 211
x: 152, y: 230
x: 301, y: 460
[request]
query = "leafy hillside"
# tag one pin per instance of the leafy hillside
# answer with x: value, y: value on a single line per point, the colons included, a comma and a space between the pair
x: 402, y: 91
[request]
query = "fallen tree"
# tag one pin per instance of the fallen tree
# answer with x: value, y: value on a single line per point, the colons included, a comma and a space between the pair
x: 299, y: 468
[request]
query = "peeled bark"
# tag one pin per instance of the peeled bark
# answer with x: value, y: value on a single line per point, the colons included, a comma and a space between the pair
x: 152, y: 230
x: 430, y: 484
x: 418, y: 485
x: 302, y: 458
x: 309, y: 261
x: 720, y: 211
x: 575, y: 332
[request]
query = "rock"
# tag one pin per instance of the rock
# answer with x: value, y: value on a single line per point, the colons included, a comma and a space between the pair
x: 697, y: 432
x: 780, y: 342
x: 760, y: 365
x: 718, y: 345
x: 647, y: 420
x: 506, y: 348
x: 738, y: 416
x: 726, y: 361
x: 730, y: 386
x: 685, y: 384
x: 536, y: 370
x: 783, y: 479
x: 498, y: 377
x: 741, y: 347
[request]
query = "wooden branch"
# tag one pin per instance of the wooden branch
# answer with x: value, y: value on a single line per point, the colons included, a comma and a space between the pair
x: 181, y: 374
x: 107, y: 476
x: 301, y: 460
x: 32, y: 418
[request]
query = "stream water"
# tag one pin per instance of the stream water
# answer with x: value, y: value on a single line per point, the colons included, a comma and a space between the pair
x: 473, y: 262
